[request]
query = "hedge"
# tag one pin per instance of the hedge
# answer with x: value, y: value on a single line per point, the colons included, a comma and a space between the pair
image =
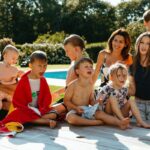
x: 55, y: 53
x: 94, y: 48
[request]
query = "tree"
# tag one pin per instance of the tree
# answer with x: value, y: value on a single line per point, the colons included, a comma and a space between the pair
x: 131, y: 11
x: 24, y: 20
x: 94, y: 19
x: 135, y: 29
x: 16, y: 20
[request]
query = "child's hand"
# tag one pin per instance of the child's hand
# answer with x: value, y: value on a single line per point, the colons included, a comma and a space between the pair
x: 20, y: 73
x: 100, y: 101
x: 79, y: 110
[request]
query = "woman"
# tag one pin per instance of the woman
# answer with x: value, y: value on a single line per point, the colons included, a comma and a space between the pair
x: 118, y: 51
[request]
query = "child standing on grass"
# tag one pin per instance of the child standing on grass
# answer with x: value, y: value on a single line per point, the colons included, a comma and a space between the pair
x: 113, y: 95
x: 32, y: 98
x: 79, y: 97
x: 74, y: 47
x: 8, y: 73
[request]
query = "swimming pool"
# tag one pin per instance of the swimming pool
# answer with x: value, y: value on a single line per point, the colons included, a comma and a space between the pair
x: 56, y: 74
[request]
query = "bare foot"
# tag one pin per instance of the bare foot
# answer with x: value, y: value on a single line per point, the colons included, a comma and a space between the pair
x: 52, y: 124
x: 129, y: 126
x: 124, y: 124
x: 143, y: 125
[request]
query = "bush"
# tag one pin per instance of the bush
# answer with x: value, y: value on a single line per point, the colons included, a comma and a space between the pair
x: 58, y: 37
x: 55, y: 53
x: 94, y: 48
x: 135, y: 29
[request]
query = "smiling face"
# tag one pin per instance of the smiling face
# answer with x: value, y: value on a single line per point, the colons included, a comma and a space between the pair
x: 118, y: 43
x: 119, y: 77
x: 38, y: 67
x: 11, y: 57
x: 144, y: 45
x: 85, y: 70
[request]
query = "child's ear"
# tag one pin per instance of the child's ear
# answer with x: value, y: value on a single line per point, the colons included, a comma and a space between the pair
x: 30, y: 65
x: 145, y: 23
x: 77, y: 71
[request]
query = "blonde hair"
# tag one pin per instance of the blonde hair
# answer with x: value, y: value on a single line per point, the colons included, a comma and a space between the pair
x: 115, y: 67
x: 10, y: 47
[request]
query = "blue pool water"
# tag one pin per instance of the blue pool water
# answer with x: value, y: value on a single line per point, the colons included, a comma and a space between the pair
x: 56, y: 74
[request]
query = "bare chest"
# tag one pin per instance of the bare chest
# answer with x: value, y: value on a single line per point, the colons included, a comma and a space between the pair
x: 6, y: 74
x: 82, y: 95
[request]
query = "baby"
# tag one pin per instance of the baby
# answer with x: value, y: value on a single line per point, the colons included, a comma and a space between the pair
x: 8, y: 73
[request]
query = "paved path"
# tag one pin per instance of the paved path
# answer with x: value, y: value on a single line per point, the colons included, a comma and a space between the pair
x: 66, y: 137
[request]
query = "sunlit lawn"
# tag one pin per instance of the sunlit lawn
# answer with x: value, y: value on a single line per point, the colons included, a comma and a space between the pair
x: 54, y: 88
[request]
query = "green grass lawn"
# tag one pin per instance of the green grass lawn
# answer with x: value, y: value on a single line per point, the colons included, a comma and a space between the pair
x: 54, y: 88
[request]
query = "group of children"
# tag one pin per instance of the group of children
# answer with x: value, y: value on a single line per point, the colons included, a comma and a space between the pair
x: 114, y: 101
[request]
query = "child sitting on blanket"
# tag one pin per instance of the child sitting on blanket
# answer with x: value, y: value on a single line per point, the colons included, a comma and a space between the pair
x: 113, y: 96
x: 32, y: 98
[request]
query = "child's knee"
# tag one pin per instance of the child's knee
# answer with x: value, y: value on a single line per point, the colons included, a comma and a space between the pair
x: 71, y: 119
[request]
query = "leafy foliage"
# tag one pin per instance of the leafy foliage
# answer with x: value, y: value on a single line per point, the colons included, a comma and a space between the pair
x: 93, y: 19
x: 49, y: 21
x: 58, y: 37
x: 131, y: 11
x: 135, y: 29
x: 55, y: 53
x: 94, y: 48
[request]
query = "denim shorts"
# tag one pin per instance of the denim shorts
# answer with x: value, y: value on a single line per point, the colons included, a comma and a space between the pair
x: 89, y: 111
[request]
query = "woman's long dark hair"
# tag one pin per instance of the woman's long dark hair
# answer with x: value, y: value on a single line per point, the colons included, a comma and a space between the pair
x: 126, y: 49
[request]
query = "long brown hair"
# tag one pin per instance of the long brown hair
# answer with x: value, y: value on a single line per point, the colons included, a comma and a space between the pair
x: 137, y: 57
x: 126, y: 49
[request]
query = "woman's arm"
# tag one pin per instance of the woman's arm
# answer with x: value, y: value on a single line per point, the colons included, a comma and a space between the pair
x: 132, y: 87
x: 99, y: 63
